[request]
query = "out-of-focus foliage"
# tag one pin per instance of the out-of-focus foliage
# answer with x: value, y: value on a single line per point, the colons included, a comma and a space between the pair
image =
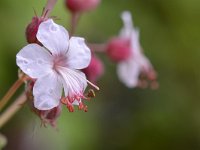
x: 119, y: 118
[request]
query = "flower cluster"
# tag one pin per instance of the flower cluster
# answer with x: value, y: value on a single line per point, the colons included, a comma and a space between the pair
x: 60, y: 69
x: 59, y: 66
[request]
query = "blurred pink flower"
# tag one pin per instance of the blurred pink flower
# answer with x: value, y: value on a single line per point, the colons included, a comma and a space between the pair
x: 137, y: 69
x: 55, y: 66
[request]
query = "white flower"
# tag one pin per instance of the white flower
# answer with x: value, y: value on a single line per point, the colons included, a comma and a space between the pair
x: 56, y: 65
x: 129, y: 71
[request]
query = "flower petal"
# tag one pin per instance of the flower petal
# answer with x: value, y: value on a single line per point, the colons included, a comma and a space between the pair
x: 79, y: 55
x: 34, y: 60
x: 53, y: 36
x: 74, y: 81
x: 47, y: 92
x: 128, y: 72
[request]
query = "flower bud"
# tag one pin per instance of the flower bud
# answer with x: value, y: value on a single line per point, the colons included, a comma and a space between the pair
x: 32, y: 28
x: 118, y: 49
x: 95, y: 69
x: 81, y: 5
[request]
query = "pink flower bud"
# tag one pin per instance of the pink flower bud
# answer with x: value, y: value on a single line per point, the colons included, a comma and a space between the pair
x: 95, y: 69
x: 32, y: 28
x: 118, y: 49
x: 81, y: 5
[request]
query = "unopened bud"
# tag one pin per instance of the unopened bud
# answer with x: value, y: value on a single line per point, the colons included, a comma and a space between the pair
x: 95, y: 69
x: 118, y: 49
x: 32, y: 29
x: 81, y: 5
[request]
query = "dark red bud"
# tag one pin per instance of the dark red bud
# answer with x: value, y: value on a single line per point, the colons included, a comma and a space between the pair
x: 32, y: 29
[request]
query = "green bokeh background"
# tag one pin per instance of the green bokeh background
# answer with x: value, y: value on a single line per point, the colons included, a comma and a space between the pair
x: 118, y: 118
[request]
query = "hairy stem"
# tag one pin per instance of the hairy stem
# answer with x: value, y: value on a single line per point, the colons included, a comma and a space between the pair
x: 11, y: 91
x: 12, y: 109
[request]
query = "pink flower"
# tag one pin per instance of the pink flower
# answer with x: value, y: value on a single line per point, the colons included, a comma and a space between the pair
x: 55, y: 66
x: 137, y: 69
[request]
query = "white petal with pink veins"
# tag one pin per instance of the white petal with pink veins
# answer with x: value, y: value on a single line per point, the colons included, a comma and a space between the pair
x: 34, y: 60
x: 47, y: 92
x: 53, y: 36
x: 74, y: 81
x: 79, y: 55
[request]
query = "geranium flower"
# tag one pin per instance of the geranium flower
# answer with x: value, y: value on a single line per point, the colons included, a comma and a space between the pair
x: 137, y: 69
x: 55, y: 66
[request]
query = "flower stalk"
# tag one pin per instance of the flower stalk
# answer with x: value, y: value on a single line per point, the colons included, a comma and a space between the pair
x: 12, y: 109
x: 12, y: 91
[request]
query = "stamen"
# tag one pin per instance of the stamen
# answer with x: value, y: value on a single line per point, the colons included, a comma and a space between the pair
x: 93, y: 85
x: 80, y: 106
x: 86, y: 109
x: 91, y: 93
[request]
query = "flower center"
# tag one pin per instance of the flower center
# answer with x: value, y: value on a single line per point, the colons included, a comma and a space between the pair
x: 59, y: 61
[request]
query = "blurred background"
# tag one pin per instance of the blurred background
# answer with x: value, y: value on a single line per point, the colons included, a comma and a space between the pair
x: 118, y: 118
